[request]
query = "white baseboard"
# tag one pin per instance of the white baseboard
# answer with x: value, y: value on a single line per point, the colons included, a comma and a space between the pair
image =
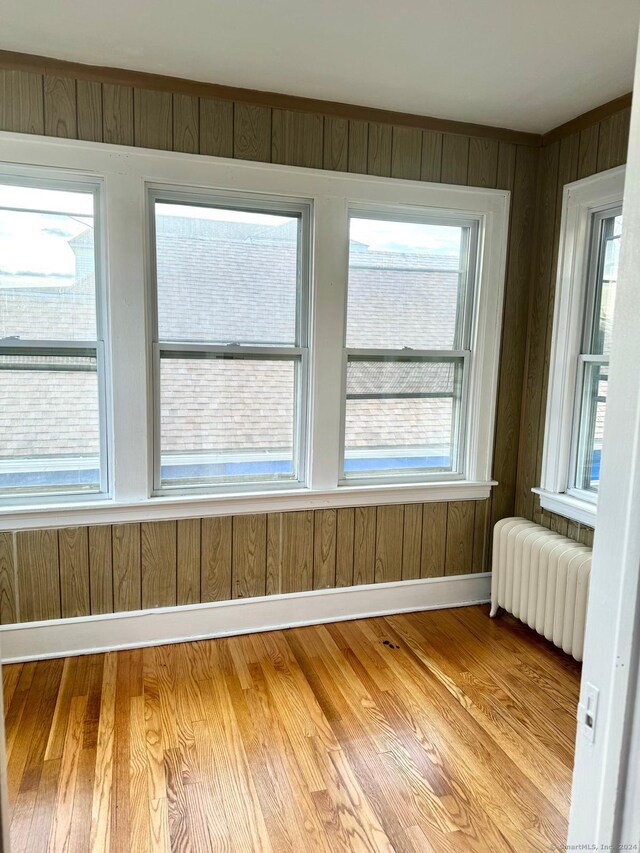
x: 135, y: 629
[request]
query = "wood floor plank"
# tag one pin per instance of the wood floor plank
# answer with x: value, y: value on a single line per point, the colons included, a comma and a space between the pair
x: 408, y: 733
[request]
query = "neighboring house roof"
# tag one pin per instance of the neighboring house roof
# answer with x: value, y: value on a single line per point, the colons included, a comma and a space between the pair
x: 215, y: 283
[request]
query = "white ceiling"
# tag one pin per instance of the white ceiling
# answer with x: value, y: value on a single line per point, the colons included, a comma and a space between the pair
x: 524, y: 64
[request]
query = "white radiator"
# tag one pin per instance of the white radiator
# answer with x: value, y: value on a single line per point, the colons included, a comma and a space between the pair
x: 542, y: 578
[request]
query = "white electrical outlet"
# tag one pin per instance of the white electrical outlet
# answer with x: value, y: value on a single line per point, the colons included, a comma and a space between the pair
x: 587, y: 711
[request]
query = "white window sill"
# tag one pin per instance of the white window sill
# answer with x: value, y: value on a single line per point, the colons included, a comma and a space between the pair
x: 569, y: 506
x: 195, y: 506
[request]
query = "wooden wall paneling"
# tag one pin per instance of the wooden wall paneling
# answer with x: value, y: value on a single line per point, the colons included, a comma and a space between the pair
x: 412, y: 542
x: 89, y: 106
x: 127, y: 591
x: 483, y: 162
x: 159, y: 563
x: 186, y: 124
x: 296, y: 139
x: 345, y: 528
x: 38, y: 573
x: 8, y: 587
x: 536, y: 336
x: 431, y: 159
x: 364, y: 545
x: 588, y: 151
x: 188, y: 561
x: 455, y: 159
x: 406, y: 153
x: 60, y: 107
x: 117, y: 114
x: 101, y: 569
x: 274, y: 552
x: 514, y: 329
x: 297, y: 551
x: 73, y: 547
x: 434, y: 540
x: 215, y: 559
x: 585, y: 536
x: 613, y: 140
x: 358, y: 146
x: 249, y: 569
x: 336, y: 144
x: 559, y: 524
x: 460, y: 527
x: 216, y: 128
x: 21, y: 102
x: 389, y: 534
x: 505, y: 177
x: 573, y: 529
x: 379, y: 149
x: 153, y: 119
x: 481, y: 536
x: 251, y: 132
x: 324, y: 548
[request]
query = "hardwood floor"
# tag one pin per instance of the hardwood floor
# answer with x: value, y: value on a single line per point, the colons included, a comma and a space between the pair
x: 438, y: 731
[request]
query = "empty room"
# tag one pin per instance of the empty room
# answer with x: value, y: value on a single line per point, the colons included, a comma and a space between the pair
x: 319, y: 426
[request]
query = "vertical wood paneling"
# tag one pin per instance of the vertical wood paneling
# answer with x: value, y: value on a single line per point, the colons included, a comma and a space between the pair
x: 21, y: 102
x: 296, y: 139
x: 153, y: 125
x: 117, y: 114
x: 186, y: 124
x: 559, y: 524
x: 101, y: 569
x: 297, y: 552
x: 126, y: 567
x: 324, y: 548
x: 249, y: 555
x: 455, y: 159
x: 431, y: 161
x: 585, y: 536
x: 406, y: 153
x: 159, y: 568
x: 364, y: 545
x: 345, y: 528
x: 8, y: 600
x: 483, y: 162
x: 216, y: 128
x: 588, y: 151
x: 481, y: 535
x: 412, y: 542
x: 215, y: 559
x: 73, y: 547
x: 89, y: 102
x: 336, y: 144
x: 358, y: 146
x: 188, y: 561
x: 379, y: 149
x: 613, y: 140
x: 274, y: 552
x: 38, y: 575
x: 460, y: 524
x: 505, y: 178
x: 434, y: 538
x: 389, y: 533
x: 252, y: 132
x: 60, y: 108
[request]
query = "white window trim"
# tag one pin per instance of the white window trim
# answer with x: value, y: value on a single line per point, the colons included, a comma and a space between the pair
x: 127, y: 173
x: 580, y: 200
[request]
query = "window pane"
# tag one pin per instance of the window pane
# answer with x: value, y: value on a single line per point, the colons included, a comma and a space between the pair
x: 401, y: 417
x: 47, y: 264
x: 226, y: 276
x: 405, y: 284
x: 227, y: 420
x: 606, y: 284
x: 594, y: 402
x: 49, y: 424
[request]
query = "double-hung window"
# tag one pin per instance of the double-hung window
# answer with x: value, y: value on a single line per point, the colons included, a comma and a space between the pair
x: 590, y: 237
x: 231, y: 279
x: 52, y: 389
x: 408, y: 345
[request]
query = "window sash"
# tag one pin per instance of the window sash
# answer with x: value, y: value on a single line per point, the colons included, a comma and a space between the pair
x: 595, y: 273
